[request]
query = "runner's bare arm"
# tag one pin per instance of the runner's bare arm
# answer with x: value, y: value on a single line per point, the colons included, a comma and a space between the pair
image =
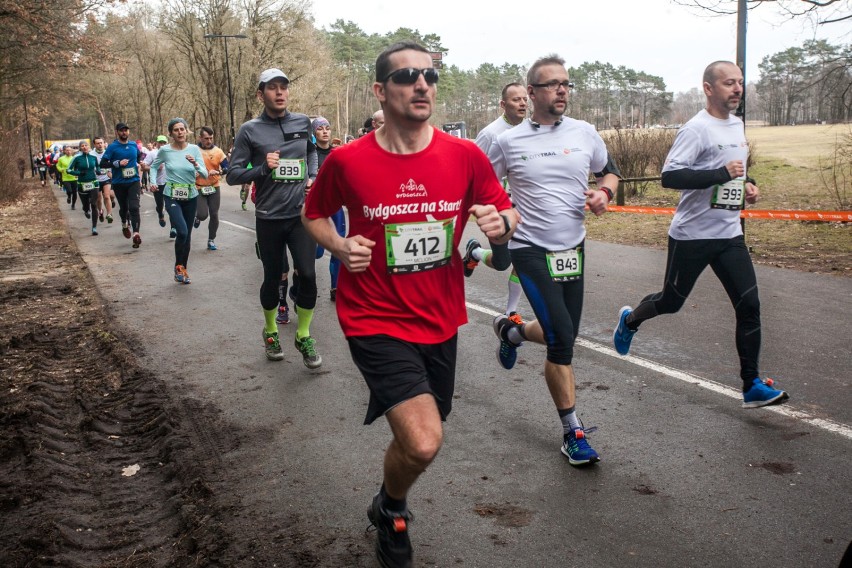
x: 354, y: 252
x: 494, y: 223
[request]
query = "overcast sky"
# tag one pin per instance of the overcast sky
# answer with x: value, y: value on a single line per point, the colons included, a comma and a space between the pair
x: 654, y: 36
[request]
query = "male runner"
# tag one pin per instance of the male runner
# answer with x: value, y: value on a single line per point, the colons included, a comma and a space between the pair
x: 378, y: 119
x: 210, y: 196
x: 122, y: 155
x: 409, y: 189
x: 548, y: 159
x: 707, y: 163
x: 513, y: 101
x: 278, y: 144
x: 158, y: 187
x: 51, y: 157
x: 69, y: 182
x: 105, y: 201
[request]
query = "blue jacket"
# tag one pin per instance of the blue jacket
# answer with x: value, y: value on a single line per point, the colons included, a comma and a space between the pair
x: 114, y: 153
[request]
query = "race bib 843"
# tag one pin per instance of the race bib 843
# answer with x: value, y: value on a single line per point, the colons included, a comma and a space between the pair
x: 565, y: 265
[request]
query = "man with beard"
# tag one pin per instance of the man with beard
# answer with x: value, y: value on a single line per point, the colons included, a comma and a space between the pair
x: 122, y: 155
x: 209, y: 195
x: 548, y: 159
x: 707, y: 164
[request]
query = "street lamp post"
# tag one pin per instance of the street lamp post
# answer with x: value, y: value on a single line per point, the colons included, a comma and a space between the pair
x: 228, y: 75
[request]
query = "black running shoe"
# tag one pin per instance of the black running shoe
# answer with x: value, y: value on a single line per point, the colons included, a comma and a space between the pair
x: 393, y: 547
x: 468, y: 261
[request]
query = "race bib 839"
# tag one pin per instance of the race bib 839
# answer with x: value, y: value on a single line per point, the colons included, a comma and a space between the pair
x: 289, y: 170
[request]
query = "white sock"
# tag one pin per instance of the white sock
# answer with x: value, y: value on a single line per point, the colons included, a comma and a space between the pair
x: 515, y: 291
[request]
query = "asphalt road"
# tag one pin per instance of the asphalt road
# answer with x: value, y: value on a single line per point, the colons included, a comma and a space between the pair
x: 687, y: 477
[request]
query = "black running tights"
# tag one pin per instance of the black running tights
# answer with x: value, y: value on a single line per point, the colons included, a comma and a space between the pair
x: 272, y: 236
x: 730, y: 261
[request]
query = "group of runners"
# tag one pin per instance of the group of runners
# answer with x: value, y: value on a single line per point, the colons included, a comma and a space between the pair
x: 409, y: 190
x: 185, y: 183
x: 405, y: 232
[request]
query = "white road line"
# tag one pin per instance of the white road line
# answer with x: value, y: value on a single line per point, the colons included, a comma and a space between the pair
x: 725, y: 390
x: 234, y: 225
x: 784, y: 410
x: 222, y: 221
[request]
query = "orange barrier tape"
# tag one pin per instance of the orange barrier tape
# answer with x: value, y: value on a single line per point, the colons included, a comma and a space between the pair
x: 782, y: 215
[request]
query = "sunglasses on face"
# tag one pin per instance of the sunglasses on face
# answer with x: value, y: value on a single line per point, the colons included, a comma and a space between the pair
x: 409, y: 75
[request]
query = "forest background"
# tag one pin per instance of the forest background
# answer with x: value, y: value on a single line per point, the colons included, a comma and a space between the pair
x: 80, y: 66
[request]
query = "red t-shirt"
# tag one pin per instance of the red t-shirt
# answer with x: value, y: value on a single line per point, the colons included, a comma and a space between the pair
x: 402, y: 200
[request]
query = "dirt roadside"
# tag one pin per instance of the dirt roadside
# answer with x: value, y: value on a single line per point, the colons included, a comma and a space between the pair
x: 100, y: 461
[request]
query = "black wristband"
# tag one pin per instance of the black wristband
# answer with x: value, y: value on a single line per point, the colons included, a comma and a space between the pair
x: 606, y: 190
x: 750, y: 180
x: 507, y: 224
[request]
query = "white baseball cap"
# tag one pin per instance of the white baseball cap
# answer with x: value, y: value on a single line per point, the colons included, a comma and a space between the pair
x: 271, y: 74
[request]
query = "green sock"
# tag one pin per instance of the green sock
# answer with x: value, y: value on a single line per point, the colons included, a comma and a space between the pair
x: 305, y: 317
x: 486, y: 254
x: 269, y: 316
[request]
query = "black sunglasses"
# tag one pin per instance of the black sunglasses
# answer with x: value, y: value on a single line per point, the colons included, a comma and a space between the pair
x: 409, y: 75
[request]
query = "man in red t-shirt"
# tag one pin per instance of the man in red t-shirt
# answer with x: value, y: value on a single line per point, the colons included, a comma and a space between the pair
x: 409, y: 189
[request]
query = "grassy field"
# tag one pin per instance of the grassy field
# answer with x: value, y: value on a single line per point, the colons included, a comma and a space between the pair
x: 786, y: 166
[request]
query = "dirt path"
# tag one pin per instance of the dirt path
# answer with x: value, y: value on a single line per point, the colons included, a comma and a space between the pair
x: 99, y: 461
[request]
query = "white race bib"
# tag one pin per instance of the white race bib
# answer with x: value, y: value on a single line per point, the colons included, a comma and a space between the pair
x: 179, y: 191
x: 207, y: 189
x: 128, y: 172
x: 415, y: 247
x: 565, y: 265
x: 729, y: 195
x: 289, y: 170
x: 88, y: 185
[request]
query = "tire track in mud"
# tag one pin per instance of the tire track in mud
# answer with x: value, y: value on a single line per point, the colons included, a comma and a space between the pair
x: 75, y: 410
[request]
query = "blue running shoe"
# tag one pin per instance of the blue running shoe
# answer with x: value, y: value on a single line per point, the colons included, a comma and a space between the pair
x: 468, y: 262
x: 173, y: 233
x: 762, y: 393
x: 211, y: 245
x: 576, y: 448
x: 622, y: 336
x: 507, y: 352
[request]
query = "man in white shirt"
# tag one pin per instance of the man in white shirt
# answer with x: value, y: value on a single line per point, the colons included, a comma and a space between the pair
x: 513, y: 102
x: 548, y: 159
x: 707, y: 164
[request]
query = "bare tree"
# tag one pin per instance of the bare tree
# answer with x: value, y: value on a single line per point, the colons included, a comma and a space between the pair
x: 821, y: 12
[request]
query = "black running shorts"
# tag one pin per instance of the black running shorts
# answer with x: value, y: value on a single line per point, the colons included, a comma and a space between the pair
x: 397, y: 370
